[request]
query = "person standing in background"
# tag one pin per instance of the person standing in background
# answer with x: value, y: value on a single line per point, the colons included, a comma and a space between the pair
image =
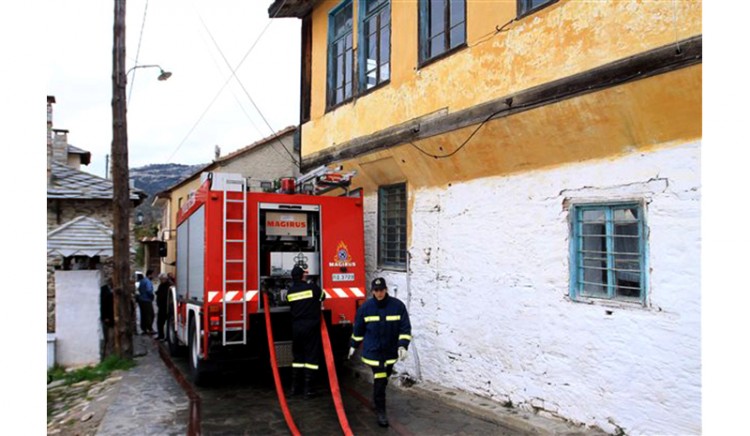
x: 162, y: 294
x: 146, y: 303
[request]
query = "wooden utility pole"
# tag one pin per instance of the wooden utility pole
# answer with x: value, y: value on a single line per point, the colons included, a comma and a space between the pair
x: 121, y: 206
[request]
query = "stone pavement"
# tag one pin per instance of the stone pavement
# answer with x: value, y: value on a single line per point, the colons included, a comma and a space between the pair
x: 149, y: 400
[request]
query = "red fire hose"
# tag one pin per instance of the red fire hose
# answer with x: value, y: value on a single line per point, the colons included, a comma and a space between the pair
x: 274, y: 366
x: 332, y: 379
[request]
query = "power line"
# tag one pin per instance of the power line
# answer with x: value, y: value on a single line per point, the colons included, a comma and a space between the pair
x: 225, y: 83
x: 234, y: 74
x: 137, y: 52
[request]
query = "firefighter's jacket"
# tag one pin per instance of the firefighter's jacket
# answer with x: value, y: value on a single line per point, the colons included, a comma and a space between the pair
x: 383, y: 326
x: 304, y: 301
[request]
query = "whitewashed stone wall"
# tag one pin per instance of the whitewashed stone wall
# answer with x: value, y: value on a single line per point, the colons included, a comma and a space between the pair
x: 78, y: 318
x: 488, y: 295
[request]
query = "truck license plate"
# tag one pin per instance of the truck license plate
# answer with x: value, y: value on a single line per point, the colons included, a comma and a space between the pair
x: 343, y: 277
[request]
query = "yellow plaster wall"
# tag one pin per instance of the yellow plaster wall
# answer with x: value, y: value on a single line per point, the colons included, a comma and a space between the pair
x: 660, y: 111
x: 563, y: 39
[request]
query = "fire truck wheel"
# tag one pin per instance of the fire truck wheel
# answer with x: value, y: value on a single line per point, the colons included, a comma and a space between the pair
x: 197, y: 370
x: 173, y: 345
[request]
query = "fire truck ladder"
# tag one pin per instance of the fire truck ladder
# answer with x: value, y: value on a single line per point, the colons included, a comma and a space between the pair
x: 230, y: 187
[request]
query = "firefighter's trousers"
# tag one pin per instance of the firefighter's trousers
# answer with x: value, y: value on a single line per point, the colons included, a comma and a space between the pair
x: 380, y: 382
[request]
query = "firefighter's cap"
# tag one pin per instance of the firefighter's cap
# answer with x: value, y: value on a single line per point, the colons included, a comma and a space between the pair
x: 378, y: 283
x: 297, y: 272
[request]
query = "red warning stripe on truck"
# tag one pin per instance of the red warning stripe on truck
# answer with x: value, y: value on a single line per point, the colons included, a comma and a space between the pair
x: 331, y: 293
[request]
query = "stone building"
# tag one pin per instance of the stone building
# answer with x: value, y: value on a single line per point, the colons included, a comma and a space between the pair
x: 79, y: 212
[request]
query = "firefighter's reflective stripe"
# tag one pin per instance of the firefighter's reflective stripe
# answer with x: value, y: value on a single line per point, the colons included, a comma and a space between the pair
x: 380, y: 375
x: 300, y: 295
x: 407, y: 337
x: 374, y: 318
x: 377, y: 363
x: 305, y: 365
x: 393, y: 318
x: 357, y: 338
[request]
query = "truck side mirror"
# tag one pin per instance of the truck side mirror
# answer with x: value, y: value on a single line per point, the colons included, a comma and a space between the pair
x: 162, y: 249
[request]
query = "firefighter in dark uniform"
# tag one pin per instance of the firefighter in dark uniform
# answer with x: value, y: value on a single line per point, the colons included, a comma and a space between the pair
x: 382, y: 322
x: 304, y: 301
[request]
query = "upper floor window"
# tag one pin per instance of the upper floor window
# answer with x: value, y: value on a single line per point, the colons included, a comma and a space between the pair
x: 528, y: 6
x: 442, y: 27
x: 375, y: 43
x: 340, y: 54
x: 392, y: 226
x: 608, y: 252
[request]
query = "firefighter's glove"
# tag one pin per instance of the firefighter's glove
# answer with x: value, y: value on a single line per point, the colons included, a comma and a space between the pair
x: 402, y: 353
x: 352, y: 350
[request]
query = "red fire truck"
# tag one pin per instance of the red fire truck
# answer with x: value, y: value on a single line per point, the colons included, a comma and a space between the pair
x: 234, y: 242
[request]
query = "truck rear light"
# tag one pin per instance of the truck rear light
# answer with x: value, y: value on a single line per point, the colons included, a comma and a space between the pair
x: 214, y: 323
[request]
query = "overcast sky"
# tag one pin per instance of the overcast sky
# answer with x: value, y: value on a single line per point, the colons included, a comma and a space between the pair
x: 174, y: 120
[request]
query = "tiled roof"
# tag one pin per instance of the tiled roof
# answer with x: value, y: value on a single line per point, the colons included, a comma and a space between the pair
x: 75, y: 150
x: 230, y: 157
x: 82, y: 236
x: 69, y: 183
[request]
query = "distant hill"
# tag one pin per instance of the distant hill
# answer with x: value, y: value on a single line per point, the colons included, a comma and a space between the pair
x: 155, y: 178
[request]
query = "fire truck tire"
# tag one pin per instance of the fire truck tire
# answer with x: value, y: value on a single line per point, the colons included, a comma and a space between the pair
x: 197, y: 366
x: 174, y: 347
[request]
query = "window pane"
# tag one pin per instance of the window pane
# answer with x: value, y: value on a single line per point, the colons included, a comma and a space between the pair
x: 392, y: 225
x: 385, y: 17
x: 437, y: 17
x: 457, y: 36
x: 385, y: 45
x: 627, y: 253
x: 342, y: 22
x: 457, y: 12
x: 437, y: 45
x: 385, y: 71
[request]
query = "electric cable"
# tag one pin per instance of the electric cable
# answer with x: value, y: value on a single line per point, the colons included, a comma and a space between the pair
x: 225, y: 83
x: 137, y: 53
x: 509, y: 106
x: 234, y: 74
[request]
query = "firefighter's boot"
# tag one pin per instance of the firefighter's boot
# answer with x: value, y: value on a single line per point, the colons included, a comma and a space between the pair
x: 295, y: 388
x: 309, y: 379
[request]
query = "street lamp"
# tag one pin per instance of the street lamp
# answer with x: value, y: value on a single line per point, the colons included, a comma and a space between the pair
x: 139, y: 218
x: 163, y: 75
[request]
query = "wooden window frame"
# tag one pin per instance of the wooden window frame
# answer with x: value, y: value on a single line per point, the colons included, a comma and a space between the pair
x: 524, y: 9
x: 331, y: 102
x: 423, y: 18
x: 363, y: 42
x: 577, y: 267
